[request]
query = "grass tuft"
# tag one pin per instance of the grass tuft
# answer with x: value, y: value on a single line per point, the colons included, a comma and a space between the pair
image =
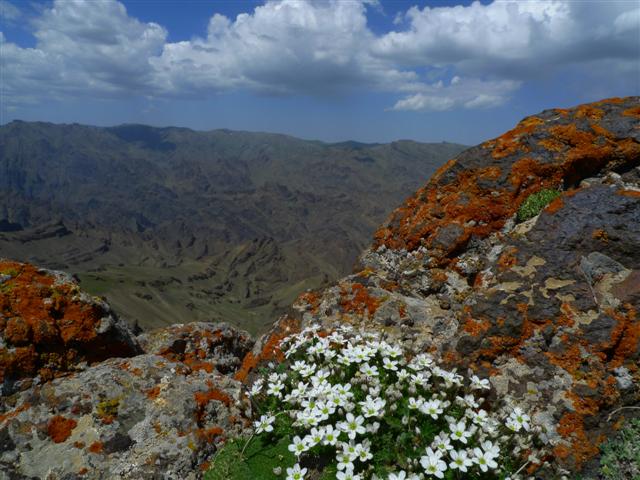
x: 621, y: 456
x: 534, y: 204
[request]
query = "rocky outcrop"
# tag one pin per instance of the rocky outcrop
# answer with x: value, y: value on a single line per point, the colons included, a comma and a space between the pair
x: 548, y: 308
x: 94, y: 401
x: 49, y: 327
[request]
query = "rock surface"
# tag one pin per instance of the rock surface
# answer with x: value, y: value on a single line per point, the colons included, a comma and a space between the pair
x: 548, y: 308
x: 72, y: 412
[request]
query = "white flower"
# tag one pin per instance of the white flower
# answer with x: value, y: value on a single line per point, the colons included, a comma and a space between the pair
x: 344, y: 462
x: 369, y: 370
x: 459, y: 431
x: 314, y: 438
x: 415, y: 403
x: 432, y: 463
x: 296, y: 473
x: 265, y: 424
x: 520, y: 418
x: 347, y: 475
x: 479, y: 384
x: 460, y: 460
x: 401, y: 475
x: 389, y: 364
x: 372, y: 407
x: 364, y: 451
x: 442, y: 442
x: 330, y: 435
x: 298, y: 447
x: 485, y: 460
x: 256, y: 388
x: 352, y: 426
x: 433, y: 408
x: 275, y: 389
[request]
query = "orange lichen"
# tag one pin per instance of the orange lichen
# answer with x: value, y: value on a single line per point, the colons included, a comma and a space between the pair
x: 570, y: 359
x: 153, y: 393
x: 600, y: 234
x: 49, y: 325
x: 632, y: 112
x: 356, y: 299
x: 271, y: 347
x: 555, y: 205
x: 59, y: 428
x: 625, y: 337
x: 13, y: 413
x: 202, y: 398
x: 590, y: 112
x: 96, y: 447
x: 507, y: 259
x: 311, y: 299
x: 584, y: 405
x: 476, y: 327
x: 571, y: 427
x: 511, y: 142
x: 209, y: 434
x: 629, y: 193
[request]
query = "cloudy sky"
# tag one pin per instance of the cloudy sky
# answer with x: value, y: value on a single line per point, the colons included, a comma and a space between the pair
x: 332, y: 69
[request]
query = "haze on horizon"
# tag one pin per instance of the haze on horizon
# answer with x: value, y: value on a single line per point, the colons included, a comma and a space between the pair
x: 365, y: 70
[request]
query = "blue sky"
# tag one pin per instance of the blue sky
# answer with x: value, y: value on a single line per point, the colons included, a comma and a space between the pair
x: 333, y: 70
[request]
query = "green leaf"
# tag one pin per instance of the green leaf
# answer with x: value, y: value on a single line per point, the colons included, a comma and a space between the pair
x: 260, y: 458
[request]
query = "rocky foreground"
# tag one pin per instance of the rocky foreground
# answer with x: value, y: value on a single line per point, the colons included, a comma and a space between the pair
x: 547, y: 309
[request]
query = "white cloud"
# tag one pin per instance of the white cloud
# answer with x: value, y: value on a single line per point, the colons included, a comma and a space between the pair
x: 460, y: 93
x: 9, y: 12
x: 292, y: 47
x: 83, y: 47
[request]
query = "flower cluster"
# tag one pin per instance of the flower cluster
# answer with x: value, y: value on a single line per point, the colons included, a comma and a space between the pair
x: 358, y: 405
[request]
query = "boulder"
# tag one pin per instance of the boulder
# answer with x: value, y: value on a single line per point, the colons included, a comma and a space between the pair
x: 140, y: 418
x: 546, y: 309
x: 49, y: 327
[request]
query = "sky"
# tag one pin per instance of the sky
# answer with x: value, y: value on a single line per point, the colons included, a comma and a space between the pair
x: 332, y: 70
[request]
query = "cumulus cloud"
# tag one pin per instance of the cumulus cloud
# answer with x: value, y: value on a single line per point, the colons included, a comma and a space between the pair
x: 293, y: 47
x: 85, y: 47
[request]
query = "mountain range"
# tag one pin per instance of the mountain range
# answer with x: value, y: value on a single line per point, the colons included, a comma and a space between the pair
x: 175, y: 225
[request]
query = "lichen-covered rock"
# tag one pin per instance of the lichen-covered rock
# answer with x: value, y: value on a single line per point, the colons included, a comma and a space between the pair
x: 200, y: 345
x: 69, y: 410
x: 140, y: 418
x: 548, y: 308
x: 49, y: 327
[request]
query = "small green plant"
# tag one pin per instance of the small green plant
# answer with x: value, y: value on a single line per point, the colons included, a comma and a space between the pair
x: 535, y: 202
x: 352, y: 406
x: 621, y: 456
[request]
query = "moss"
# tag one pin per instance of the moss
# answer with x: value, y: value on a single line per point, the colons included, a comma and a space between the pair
x: 534, y: 204
x: 621, y: 456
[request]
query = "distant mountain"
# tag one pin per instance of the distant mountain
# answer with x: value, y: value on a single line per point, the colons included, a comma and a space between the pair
x: 172, y: 224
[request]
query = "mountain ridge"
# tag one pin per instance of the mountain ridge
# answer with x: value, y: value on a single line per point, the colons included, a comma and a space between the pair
x: 134, y: 201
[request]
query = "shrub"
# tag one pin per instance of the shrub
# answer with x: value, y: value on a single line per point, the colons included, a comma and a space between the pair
x: 350, y: 406
x: 535, y: 202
